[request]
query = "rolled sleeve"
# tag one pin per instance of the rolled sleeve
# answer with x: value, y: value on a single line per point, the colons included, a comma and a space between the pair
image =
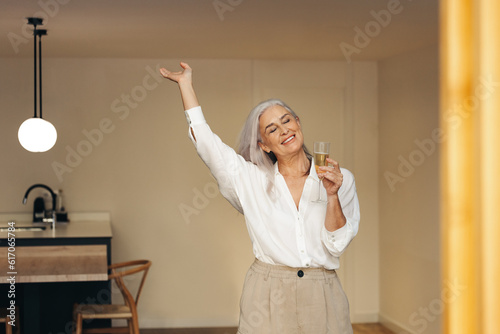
x: 337, y: 241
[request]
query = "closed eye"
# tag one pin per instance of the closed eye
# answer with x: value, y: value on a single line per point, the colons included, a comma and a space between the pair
x: 284, y: 119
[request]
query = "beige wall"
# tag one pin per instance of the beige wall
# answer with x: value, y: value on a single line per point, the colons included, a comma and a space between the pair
x: 410, y: 295
x: 141, y: 167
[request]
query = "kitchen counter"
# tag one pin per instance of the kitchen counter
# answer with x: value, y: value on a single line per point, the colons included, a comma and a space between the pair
x: 73, y: 251
x: 74, y: 229
x: 54, y: 268
x: 81, y: 225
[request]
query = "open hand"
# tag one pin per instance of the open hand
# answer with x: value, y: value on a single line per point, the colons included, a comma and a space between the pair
x: 185, y: 81
x: 184, y: 76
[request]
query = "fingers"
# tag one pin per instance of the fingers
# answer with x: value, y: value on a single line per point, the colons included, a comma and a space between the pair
x: 176, y: 76
x: 332, y: 181
x: 335, y: 177
x: 332, y: 175
x: 185, y: 65
x: 164, y: 72
x: 333, y: 168
x: 333, y: 163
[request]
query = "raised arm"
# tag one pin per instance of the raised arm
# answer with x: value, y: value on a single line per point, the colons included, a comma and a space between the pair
x: 185, y: 82
x: 224, y: 163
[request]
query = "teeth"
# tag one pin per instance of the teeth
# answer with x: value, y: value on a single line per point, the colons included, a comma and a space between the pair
x: 286, y: 141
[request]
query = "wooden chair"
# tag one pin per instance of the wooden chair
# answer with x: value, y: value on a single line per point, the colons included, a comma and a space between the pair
x: 126, y: 311
x: 4, y: 312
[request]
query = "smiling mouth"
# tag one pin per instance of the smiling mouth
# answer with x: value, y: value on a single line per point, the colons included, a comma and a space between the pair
x: 288, y: 140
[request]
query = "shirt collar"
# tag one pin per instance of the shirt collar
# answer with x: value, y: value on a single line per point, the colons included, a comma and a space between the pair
x: 312, y: 171
x: 276, y: 169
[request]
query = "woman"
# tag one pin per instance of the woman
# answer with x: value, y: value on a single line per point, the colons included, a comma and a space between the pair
x: 292, y: 286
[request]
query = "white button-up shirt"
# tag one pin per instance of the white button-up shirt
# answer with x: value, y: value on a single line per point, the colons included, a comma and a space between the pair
x: 280, y: 233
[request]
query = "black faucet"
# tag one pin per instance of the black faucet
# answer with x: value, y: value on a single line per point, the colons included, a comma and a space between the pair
x: 54, y: 199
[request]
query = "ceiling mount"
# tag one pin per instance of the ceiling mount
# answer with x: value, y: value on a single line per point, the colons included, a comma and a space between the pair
x: 40, y: 32
x: 35, y: 21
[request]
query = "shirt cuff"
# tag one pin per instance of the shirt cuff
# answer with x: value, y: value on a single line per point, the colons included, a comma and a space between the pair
x: 194, y: 116
x: 338, y: 234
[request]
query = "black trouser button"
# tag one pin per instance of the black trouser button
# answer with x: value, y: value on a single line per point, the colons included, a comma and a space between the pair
x: 300, y: 273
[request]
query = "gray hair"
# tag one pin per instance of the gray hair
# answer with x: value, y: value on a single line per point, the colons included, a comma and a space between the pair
x: 248, y: 146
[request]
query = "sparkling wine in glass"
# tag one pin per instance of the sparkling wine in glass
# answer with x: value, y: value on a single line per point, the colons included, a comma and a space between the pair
x: 321, y: 152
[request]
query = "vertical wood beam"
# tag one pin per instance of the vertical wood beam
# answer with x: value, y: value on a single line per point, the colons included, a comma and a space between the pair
x: 470, y: 164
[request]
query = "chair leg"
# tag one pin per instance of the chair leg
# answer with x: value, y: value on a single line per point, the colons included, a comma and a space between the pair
x: 8, y: 327
x: 130, y: 327
x: 18, y: 322
x: 135, y: 324
x: 79, y: 323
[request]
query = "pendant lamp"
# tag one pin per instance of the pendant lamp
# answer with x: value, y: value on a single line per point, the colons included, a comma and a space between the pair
x: 36, y: 134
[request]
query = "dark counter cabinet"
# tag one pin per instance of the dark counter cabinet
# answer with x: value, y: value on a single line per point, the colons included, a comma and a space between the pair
x: 52, y: 270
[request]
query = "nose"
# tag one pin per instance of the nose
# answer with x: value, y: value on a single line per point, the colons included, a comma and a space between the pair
x: 284, y: 130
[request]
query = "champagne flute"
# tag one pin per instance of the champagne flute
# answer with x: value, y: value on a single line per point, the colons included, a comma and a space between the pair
x: 321, y: 153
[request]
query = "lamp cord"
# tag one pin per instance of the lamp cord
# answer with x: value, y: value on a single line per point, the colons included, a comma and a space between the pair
x: 34, y: 58
x: 40, y: 71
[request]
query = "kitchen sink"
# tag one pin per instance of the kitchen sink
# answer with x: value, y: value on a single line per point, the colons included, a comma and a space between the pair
x: 24, y: 228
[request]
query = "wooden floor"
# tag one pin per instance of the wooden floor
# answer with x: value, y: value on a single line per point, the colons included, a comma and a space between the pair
x: 370, y: 329
x: 358, y: 329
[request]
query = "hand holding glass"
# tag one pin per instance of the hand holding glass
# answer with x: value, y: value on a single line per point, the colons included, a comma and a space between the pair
x: 321, y: 153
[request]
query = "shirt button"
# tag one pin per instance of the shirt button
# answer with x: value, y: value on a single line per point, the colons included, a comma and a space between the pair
x: 300, y: 273
x: 307, y: 264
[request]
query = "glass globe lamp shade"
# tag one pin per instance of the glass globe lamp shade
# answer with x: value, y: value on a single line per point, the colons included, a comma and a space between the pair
x: 37, y: 135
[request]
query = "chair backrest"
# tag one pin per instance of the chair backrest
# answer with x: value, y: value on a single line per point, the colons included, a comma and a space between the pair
x: 120, y: 270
